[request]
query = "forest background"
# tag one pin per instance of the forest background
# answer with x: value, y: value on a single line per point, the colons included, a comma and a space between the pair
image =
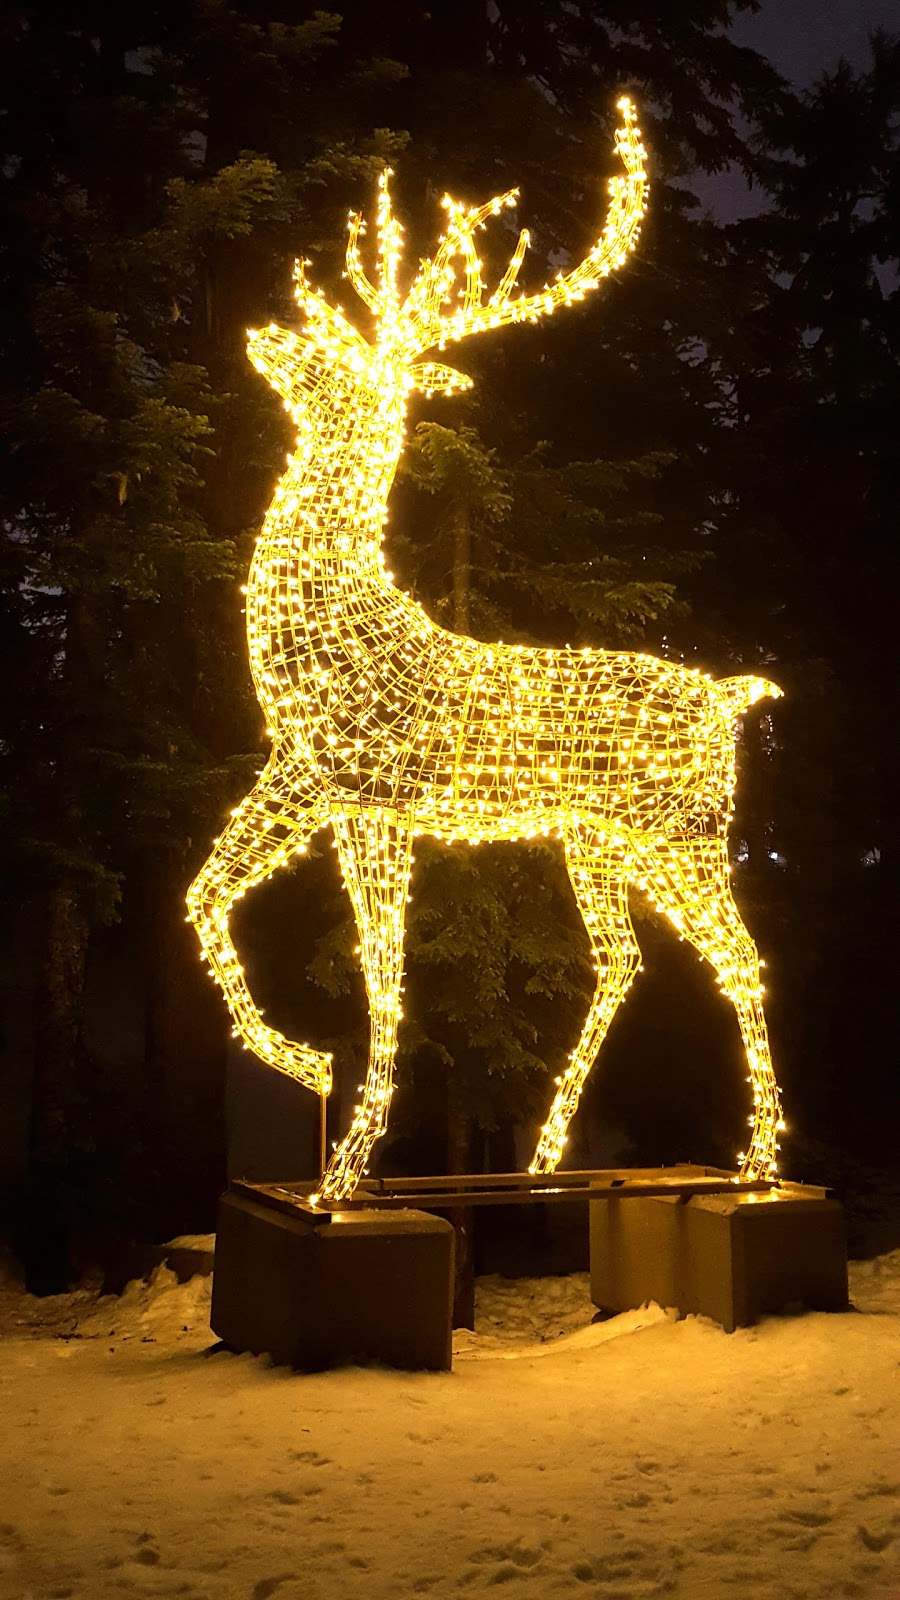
x: 700, y: 461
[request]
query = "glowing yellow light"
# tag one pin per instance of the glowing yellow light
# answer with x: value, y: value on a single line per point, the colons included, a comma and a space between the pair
x: 385, y: 726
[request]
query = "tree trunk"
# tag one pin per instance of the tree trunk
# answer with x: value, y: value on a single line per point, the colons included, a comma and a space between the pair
x: 185, y: 1050
x: 462, y: 567
x: 462, y: 1217
x: 458, y: 1122
x: 45, y: 1234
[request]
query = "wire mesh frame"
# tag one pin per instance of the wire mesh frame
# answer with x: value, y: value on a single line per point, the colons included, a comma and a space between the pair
x: 385, y: 727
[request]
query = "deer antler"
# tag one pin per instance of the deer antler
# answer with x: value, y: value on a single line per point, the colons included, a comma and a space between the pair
x: 383, y: 299
x: 326, y: 323
x: 423, y: 318
x: 436, y: 277
x: 431, y: 290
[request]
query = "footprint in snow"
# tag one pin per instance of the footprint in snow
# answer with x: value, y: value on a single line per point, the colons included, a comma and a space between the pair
x: 805, y: 1519
x: 505, y: 1573
x: 266, y: 1587
x: 872, y: 1540
x: 514, y: 1554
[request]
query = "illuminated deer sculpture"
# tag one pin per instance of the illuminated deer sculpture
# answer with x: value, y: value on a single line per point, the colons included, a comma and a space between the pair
x: 385, y: 726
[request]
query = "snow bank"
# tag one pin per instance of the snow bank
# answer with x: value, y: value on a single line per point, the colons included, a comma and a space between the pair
x: 636, y: 1457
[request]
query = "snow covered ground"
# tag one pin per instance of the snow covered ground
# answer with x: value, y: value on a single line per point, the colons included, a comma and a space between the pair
x: 636, y: 1457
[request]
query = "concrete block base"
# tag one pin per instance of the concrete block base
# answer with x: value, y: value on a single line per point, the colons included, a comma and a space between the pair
x: 732, y: 1258
x: 366, y: 1286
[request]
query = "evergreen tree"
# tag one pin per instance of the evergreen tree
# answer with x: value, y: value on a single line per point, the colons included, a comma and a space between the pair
x: 162, y: 167
x: 810, y: 519
x: 155, y: 175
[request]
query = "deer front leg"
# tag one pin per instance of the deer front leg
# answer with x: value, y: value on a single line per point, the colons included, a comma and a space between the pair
x: 597, y: 877
x: 375, y: 851
x: 273, y: 823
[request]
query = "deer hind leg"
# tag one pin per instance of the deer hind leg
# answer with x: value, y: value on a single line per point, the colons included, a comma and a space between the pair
x: 597, y: 874
x: 689, y: 880
x: 271, y: 824
x: 375, y: 851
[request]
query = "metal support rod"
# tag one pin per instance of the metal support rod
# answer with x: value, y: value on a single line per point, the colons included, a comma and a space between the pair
x: 647, y: 1182
x: 619, y: 1189
x: 457, y: 1183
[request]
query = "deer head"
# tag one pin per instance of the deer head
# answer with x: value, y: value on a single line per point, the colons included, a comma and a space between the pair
x: 329, y: 364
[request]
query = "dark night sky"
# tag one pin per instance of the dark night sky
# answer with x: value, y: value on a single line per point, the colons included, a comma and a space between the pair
x: 806, y: 37
x: 803, y: 38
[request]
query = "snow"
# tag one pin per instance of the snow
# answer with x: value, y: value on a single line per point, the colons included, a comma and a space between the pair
x: 641, y: 1456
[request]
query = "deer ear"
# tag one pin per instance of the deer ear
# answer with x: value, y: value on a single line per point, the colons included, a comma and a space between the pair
x: 431, y: 377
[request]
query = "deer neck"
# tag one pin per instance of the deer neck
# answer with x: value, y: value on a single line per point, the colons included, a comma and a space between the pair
x: 318, y: 567
x: 330, y: 506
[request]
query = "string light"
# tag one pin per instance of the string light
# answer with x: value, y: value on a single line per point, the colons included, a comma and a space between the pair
x: 385, y: 726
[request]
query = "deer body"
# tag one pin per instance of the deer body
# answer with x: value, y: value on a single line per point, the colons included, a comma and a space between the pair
x: 386, y: 698
x: 386, y: 726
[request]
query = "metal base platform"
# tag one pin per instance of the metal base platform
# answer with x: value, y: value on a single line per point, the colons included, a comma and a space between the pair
x: 370, y: 1287
x: 371, y: 1278
x: 732, y: 1257
x: 505, y: 1189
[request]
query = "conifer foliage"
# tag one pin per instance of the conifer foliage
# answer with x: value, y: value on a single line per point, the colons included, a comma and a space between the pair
x: 682, y: 439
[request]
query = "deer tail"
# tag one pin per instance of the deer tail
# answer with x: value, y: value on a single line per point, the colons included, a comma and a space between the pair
x: 740, y: 693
